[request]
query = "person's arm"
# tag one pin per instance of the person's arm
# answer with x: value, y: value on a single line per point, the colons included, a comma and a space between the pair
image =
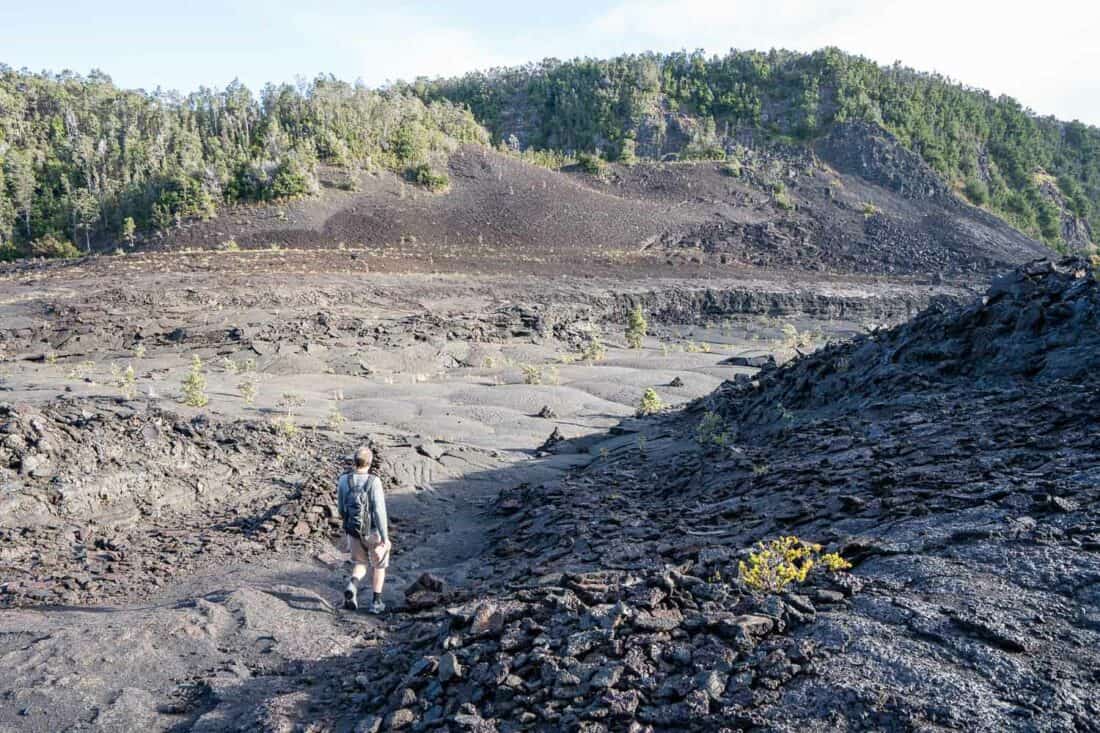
x: 380, y: 521
x: 340, y: 488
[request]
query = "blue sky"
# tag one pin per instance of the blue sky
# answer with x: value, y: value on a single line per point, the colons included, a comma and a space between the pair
x: 1046, y: 55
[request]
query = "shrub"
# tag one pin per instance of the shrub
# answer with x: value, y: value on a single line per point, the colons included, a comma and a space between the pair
x: 430, y: 178
x: 710, y: 430
x: 51, y: 246
x: 976, y: 191
x: 775, y: 565
x: 732, y: 168
x: 870, y: 210
x: 125, y: 380
x: 594, y: 350
x: 194, y: 385
x: 336, y: 418
x: 636, y: 328
x: 532, y: 374
x: 783, y: 200
x: 592, y: 164
x: 249, y: 389
x: 650, y: 403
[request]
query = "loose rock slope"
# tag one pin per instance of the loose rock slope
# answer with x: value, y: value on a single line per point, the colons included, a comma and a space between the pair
x: 953, y: 460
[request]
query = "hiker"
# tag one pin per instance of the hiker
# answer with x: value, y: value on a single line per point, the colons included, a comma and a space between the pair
x: 362, y: 508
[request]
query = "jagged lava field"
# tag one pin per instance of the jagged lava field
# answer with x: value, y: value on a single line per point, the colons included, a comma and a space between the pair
x: 839, y: 348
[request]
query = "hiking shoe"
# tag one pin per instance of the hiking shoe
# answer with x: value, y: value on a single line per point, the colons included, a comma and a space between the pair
x: 351, y: 600
x: 376, y: 606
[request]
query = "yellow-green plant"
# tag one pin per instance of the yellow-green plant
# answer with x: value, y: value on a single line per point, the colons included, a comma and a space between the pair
x: 776, y: 564
x: 80, y: 370
x: 593, y: 350
x: 139, y: 351
x: 249, y: 388
x: 532, y: 373
x: 636, y: 328
x: 336, y: 418
x: 650, y: 402
x: 286, y: 425
x: 125, y: 380
x: 710, y: 431
x: 194, y: 384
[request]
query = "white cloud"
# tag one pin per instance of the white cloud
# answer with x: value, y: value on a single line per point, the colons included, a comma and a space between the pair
x: 1045, y: 55
x: 397, y: 45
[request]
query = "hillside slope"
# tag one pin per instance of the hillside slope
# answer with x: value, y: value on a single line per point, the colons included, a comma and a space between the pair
x: 783, y: 210
x: 1041, y: 174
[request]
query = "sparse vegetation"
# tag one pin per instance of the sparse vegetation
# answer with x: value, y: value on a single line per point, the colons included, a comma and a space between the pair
x: 532, y: 373
x: 592, y: 164
x: 336, y: 418
x: 776, y: 564
x: 434, y: 180
x: 636, y: 328
x: 711, y: 430
x: 125, y: 380
x: 80, y: 370
x: 870, y: 210
x: 594, y: 350
x: 286, y: 424
x: 194, y: 384
x: 249, y: 388
x: 650, y: 403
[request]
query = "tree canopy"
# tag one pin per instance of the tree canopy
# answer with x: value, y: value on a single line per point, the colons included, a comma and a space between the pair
x: 80, y: 158
x: 991, y: 149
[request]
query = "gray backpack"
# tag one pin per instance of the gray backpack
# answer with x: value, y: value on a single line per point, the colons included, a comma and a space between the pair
x: 358, y: 505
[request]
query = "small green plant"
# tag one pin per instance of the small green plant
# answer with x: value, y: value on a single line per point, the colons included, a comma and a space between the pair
x: 139, y: 351
x: 125, y: 380
x: 593, y: 350
x: 194, y: 384
x: 51, y: 358
x: 775, y: 565
x: 550, y: 375
x: 870, y: 210
x: 532, y: 374
x: 783, y: 200
x: 80, y: 370
x: 636, y: 328
x: 731, y: 168
x: 592, y: 164
x: 692, y: 348
x: 431, y: 179
x: 650, y: 403
x: 336, y: 418
x: 287, y: 425
x: 249, y: 388
x: 710, y: 430
x: 760, y: 469
x: 489, y: 362
x: 230, y: 245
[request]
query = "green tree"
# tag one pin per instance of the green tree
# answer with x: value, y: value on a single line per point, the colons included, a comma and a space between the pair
x: 127, y: 231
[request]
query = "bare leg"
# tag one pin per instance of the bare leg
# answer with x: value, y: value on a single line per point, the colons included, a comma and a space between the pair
x: 378, y: 580
x: 358, y: 572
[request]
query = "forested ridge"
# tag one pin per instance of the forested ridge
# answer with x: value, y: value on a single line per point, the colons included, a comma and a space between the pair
x: 991, y: 149
x: 81, y: 158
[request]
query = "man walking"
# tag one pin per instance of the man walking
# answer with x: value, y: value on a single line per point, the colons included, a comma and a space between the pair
x: 363, y: 512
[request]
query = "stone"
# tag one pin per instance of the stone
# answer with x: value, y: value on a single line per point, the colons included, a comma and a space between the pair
x: 658, y: 620
x: 449, y: 668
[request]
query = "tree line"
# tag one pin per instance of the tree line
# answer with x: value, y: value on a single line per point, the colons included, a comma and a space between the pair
x: 991, y: 149
x: 81, y: 159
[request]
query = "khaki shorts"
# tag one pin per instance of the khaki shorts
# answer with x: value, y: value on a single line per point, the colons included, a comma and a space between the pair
x: 370, y: 551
